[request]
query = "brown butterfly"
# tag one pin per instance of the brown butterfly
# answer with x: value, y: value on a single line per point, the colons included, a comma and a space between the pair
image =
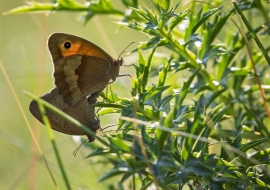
x: 81, y: 69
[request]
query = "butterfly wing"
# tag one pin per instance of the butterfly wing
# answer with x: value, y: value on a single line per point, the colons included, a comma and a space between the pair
x: 82, y: 112
x: 80, y: 76
x: 57, y: 44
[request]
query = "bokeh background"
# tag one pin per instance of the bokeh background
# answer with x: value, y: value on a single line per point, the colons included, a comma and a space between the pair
x: 23, y: 39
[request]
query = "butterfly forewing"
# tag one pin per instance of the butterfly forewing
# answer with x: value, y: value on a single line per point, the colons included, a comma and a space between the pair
x: 80, y: 76
x: 78, y: 46
x: 66, y: 80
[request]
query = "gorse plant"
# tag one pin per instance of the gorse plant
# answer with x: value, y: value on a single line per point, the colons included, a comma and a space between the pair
x: 209, y: 132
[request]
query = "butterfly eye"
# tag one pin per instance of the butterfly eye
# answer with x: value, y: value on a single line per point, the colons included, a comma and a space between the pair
x: 67, y: 45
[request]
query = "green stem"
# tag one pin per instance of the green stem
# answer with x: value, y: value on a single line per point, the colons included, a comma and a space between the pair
x: 52, y: 138
x: 134, y: 181
x: 252, y: 32
x: 37, y: 7
x: 61, y: 165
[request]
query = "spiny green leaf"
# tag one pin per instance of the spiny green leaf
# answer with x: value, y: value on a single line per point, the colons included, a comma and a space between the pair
x: 205, y: 18
x: 152, y: 43
x: 164, y: 101
x: 214, y: 51
x: 241, y: 71
x: 113, y: 172
x: 118, y: 144
x: 252, y: 144
x: 141, y: 13
x: 163, y: 73
x: 193, y: 19
x: 99, y: 152
x: 147, y: 67
x: 237, y: 141
x: 219, y: 25
x: 69, y: 4
x: 160, y: 135
x: 192, y: 38
x: 182, y: 111
x: 216, y: 118
x: 151, y: 17
x: 148, y: 96
x: 214, y: 96
x: 177, y: 19
x: 186, y: 86
x: 262, y: 157
x: 163, y: 4
x: 106, y: 111
x: 131, y: 3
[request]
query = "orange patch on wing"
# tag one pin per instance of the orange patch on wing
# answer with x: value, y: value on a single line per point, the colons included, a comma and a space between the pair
x: 73, y: 50
x: 81, y: 48
x: 87, y: 49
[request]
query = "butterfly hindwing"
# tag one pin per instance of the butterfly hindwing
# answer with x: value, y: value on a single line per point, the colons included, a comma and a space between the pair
x: 82, y: 112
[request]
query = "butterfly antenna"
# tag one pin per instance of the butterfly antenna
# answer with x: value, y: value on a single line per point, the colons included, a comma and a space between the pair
x: 109, y: 126
x: 102, y: 129
x: 125, y: 50
x: 77, y: 149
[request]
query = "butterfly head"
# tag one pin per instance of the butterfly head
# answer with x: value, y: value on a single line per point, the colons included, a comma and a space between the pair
x: 119, y: 61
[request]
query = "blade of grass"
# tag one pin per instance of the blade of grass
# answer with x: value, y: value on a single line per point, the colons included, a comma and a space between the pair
x: 49, y: 129
x: 252, y: 32
x: 26, y: 121
x: 52, y: 138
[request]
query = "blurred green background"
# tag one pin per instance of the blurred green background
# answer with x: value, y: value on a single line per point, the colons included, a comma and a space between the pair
x: 23, y: 39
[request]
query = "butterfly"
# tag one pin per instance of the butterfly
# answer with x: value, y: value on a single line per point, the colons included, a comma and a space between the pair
x: 81, y: 71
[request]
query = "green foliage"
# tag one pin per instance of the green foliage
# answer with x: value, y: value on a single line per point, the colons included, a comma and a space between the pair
x: 210, y: 132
